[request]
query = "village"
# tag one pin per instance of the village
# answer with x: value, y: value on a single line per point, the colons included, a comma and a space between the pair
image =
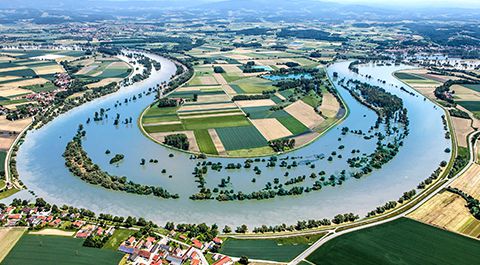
x: 147, y: 244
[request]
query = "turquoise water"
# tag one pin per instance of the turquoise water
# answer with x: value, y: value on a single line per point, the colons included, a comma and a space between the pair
x: 41, y: 165
x: 289, y: 76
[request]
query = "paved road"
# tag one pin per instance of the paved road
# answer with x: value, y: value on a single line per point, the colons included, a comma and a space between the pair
x: 335, y: 234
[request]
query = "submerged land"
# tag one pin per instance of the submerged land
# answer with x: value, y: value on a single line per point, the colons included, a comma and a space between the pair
x: 172, y: 139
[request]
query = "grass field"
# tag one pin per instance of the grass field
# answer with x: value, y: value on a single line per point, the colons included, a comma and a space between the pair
x: 292, y: 124
x: 8, y: 193
x: 215, y: 122
x: 47, y: 87
x: 473, y: 87
x: 408, y: 76
x: 205, y: 142
x: 3, y: 156
x: 253, y: 85
x: 8, y: 239
x: 403, y: 241
x: 34, y: 249
x: 243, y: 137
x: 282, y: 249
x: 117, y: 238
x: 472, y: 106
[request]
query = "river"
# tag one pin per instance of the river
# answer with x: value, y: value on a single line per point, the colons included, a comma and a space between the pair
x: 41, y: 165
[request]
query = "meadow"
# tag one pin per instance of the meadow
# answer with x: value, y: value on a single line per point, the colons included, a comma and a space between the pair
x: 281, y: 249
x: 36, y: 249
x: 403, y: 241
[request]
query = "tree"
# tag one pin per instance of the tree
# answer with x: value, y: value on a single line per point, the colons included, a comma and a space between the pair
x: 243, y: 260
x: 227, y: 229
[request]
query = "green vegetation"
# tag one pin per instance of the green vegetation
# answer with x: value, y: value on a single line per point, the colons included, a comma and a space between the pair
x: 8, y: 193
x: 215, y: 122
x: 292, y: 124
x: 253, y: 85
x: 205, y: 142
x: 242, y: 137
x: 80, y: 165
x: 402, y: 241
x: 35, y: 249
x: 47, y: 87
x: 407, y: 76
x: 179, y: 141
x: 117, y: 238
x: 281, y: 249
x: 3, y: 156
x: 473, y: 106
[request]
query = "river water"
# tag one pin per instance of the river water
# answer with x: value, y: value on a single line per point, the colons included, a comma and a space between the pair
x: 41, y: 165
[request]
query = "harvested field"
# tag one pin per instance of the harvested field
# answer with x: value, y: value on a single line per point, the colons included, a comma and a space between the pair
x: 219, y: 79
x: 464, y: 93
x: 207, y: 80
x: 51, y: 69
x: 104, y: 82
x: 8, y: 239
x: 231, y: 69
x: 8, y: 78
x: 211, y: 115
x: 53, y: 232
x: 86, y: 69
x: 15, y: 68
x: 212, y: 98
x: 469, y: 182
x: 280, y: 96
x: 255, y: 103
x: 8, y: 92
x: 305, y: 114
x: 207, y: 106
x: 305, y: 138
x: 26, y: 82
x: 160, y: 137
x: 330, y: 105
x: 271, y: 129
x: 462, y: 129
x: 13, y: 126
x: 229, y: 90
x: 447, y: 211
x: 217, y: 142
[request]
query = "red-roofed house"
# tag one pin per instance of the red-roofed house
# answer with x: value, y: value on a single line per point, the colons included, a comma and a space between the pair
x: 224, y: 261
x: 197, y: 243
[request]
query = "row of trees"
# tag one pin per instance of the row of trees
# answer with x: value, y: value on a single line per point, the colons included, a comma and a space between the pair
x: 80, y: 165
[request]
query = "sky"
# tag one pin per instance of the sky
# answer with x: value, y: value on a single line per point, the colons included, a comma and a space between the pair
x: 422, y: 3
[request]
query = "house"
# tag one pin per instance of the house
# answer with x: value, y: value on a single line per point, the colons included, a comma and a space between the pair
x: 196, y: 243
x: 224, y: 261
x: 130, y: 241
x: 174, y: 260
x: 217, y: 241
x: 145, y: 254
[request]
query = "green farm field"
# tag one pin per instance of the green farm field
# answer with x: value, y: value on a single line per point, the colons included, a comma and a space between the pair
x: 117, y: 238
x: 282, y: 249
x: 253, y: 85
x: 403, y: 241
x: 472, y: 106
x: 205, y: 142
x: 243, y: 137
x: 35, y: 249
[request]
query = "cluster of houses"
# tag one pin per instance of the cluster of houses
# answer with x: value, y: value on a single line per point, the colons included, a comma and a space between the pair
x: 88, y: 229
x: 31, y: 216
x: 147, y: 250
x: 150, y: 251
